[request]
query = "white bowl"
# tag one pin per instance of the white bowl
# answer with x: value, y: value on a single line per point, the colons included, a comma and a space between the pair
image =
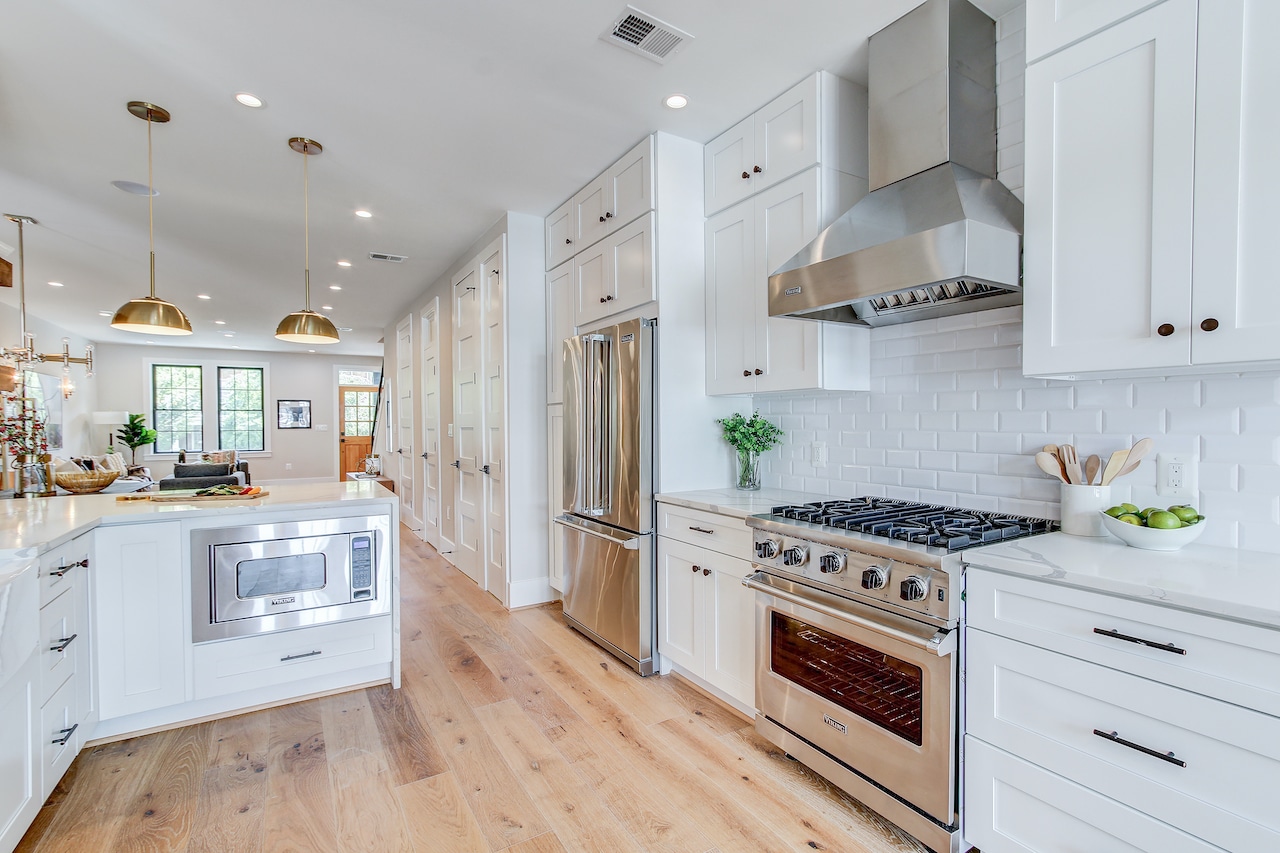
x: 1152, y: 538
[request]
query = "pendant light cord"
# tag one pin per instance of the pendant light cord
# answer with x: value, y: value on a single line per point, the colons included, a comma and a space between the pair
x: 151, y: 218
x: 22, y: 287
x: 306, y: 225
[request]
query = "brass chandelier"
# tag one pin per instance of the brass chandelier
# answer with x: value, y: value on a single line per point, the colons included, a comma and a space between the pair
x: 25, y: 353
x: 306, y: 326
x: 149, y: 314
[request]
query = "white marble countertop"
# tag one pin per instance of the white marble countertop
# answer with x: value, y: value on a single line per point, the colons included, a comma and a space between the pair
x: 46, y: 522
x: 1239, y: 585
x: 737, y: 503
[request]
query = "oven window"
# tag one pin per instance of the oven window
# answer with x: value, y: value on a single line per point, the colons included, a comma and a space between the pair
x: 875, y: 686
x: 278, y: 575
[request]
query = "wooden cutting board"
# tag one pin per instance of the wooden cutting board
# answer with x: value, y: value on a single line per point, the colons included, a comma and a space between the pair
x: 161, y: 497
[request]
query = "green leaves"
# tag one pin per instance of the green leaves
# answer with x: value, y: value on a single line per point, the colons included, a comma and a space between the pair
x: 135, y: 434
x: 754, y: 433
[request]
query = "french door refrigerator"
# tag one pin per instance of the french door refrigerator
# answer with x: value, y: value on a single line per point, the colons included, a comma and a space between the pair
x: 607, y: 523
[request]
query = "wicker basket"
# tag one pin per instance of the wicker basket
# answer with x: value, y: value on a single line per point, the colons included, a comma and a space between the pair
x: 86, y: 482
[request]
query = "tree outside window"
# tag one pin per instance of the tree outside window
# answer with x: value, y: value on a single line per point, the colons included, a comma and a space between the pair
x: 241, y: 417
x: 176, y: 407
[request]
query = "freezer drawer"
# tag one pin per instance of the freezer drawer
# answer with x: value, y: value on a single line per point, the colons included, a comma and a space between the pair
x: 609, y: 588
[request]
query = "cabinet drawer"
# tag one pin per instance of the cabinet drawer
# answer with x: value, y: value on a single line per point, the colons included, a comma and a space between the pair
x: 60, y: 567
x: 1227, y: 660
x: 59, y: 730
x: 249, y: 663
x: 1012, y: 806
x: 1049, y: 709
x: 61, y: 636
x: 721, y: 533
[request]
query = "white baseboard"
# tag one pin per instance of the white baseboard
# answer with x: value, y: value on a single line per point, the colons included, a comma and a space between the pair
x: 529, y: 593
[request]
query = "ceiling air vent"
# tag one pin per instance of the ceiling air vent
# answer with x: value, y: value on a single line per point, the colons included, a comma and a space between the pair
x: 644, y: 34
x: 391, y: 259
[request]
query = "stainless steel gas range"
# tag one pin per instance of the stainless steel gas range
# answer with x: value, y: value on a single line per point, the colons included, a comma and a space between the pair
x: 857, y: 611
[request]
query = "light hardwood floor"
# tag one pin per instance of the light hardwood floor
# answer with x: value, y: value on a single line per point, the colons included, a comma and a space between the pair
x: 512, y: 732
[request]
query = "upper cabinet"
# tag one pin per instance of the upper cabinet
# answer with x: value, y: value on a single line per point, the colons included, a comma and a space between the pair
x: 616, y: 197
x: 1145, y: 248
x: 1054, y: 24
x: 820, y: 120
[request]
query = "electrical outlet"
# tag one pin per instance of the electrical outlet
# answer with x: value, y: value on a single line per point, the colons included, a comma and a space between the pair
x: 322, y: 427
x: 818, y: 454
x: 288, y: 466
x: 1176, y: 476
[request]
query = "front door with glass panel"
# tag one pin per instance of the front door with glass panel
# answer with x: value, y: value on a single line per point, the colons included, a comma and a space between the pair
x: 355, y: 423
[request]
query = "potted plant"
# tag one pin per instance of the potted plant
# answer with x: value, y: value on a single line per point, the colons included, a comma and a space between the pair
x: 136, y: 434
x: 750, y: 437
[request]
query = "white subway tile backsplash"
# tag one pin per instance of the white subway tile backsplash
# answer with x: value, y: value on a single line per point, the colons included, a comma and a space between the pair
x: 1173, y: 393
x: 967, y: 422
x: 1206, y: 420
x: 1076, y: 422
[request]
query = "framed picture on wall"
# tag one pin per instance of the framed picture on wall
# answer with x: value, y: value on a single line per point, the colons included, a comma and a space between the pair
x: 293, y: 414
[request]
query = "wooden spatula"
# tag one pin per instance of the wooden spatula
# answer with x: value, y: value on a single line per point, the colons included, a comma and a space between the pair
x: 1049, y: 464
x: 1091, y: 466
x: 1136, y: 453
x: 1115, y: 464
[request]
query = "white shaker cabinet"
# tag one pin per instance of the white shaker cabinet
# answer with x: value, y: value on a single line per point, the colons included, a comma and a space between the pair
x: 1149, y: 187
x: 616, y: 197
x: 1054, y: 24
x: 561, y: 229
x: 616, y: 274
x: 822, y: 119
x: 747, y: 350
x: 559, y: 327
x: 142, y: 606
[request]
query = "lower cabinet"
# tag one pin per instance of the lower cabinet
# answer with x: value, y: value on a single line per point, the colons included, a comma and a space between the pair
x: 140, y: 601
x: 706, y: 626
x: 20, y: 731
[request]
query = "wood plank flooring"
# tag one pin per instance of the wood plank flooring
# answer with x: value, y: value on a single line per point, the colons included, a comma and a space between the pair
x: 512, y: 732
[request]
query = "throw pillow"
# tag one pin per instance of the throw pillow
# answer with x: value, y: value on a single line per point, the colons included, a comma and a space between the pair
x: 228, y: 456
x: 201, y: 469
x: 65, y: 466
x: 108, y: 463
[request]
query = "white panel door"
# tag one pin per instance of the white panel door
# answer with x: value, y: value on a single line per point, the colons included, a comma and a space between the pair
x: 727, y: 161
x: 139, y: 608
x: 468, y: 414
x: 1235, y: 303
x: 562, y: 228
x: 629, y: 183
x: 731, y: 628
x: 404, y: 419
x: 592, y: 280
x: 1054, y: 24
x: 430, y: 454
x: 681, y: 603
x: 786, y: 219
x: 590, y: 205
x: 559, y: 327
x: 494, y: 460
x: 631, y: 266
x: 731, y: 306
x: 1110, y: 143
x: 786, y: 135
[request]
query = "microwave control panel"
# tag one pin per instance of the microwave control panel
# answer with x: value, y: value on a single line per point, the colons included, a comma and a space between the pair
x: 362, y: 566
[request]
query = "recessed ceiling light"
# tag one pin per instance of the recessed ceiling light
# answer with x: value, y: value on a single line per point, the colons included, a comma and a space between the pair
x: 104, y: 313
x: 326, y: 307
x: 219, y: 322
x: 363, y: 214
x: 344, y: 328
x: 229, y: 334
x: 203, y: 296
x: 335, y: 287
x: 134, y: 188
x: 151, y: 342
x: 344, y: 263
x: 55, y: 284
x: 310, y: 350
x: 235, y: 346
x: 249, y: 100
x: 676, y: 102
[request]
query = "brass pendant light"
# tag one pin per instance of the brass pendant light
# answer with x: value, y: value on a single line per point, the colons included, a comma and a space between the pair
x: 149, y: 314
x: 306, y: 326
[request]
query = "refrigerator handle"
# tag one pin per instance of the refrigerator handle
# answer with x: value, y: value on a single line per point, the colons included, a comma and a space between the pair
x: 604, y: 415
x: 585, y: 476
x: 631, y: 544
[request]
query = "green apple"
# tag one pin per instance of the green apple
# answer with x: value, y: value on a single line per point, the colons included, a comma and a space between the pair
x: 1163, y: 520
x: 1184, y: 512
x: 1130, y: 518
x: 1115, y: 511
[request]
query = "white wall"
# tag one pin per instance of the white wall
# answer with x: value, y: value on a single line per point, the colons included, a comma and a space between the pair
x: 950, y: 418
x: 123, y: 380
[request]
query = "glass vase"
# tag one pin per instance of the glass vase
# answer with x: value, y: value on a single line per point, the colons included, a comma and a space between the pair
x: 748, y: 469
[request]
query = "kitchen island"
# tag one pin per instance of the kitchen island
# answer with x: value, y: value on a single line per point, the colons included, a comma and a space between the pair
x: 154, y: 615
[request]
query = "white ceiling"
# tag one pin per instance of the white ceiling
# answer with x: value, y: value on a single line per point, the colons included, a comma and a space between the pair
x: 436, y: 115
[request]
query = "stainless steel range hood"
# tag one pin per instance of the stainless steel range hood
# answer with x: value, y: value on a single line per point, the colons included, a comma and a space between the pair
x: 937, y: 234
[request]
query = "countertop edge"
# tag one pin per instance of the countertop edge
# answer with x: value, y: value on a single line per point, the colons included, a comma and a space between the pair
x: 736, y: 503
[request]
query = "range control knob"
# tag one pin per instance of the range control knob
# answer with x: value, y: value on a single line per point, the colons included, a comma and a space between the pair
x: 830, y: 564
x: 914, y: 588
x: 796, y: 555
x: 874, y: 577
x: 766, y: 549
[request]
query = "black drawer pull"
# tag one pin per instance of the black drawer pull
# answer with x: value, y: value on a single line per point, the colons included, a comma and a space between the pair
x: 700, y: 529
x: 62, y: 644
x: 1163, y: 756
x: 297, y: 657
x: 66, y: 735
x: 62, y: 570
x: 1152, y: 644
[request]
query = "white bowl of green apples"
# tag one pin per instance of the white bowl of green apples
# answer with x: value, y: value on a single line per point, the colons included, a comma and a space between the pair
x: 1154, y: 529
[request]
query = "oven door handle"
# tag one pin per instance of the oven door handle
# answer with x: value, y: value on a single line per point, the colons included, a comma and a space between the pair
x: 940, y: 643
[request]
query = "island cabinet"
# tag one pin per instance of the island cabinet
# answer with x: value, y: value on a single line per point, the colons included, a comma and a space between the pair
x: 21, y: 733
x: 141, y: 599
x: 1095, y: 722
x: 706, y: 617
x: 1150, y: 188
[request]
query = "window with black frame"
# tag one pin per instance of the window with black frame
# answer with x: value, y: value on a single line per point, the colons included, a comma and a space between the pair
x: 176, y: 407
x: 241, y: 417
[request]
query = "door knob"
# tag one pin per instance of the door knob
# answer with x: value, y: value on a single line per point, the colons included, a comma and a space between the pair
x: 424, y: 454
x: 484, y: 469
x: 457, y: 463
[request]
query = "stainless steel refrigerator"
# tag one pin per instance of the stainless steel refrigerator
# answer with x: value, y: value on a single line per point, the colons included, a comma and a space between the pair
x: 607, y: 522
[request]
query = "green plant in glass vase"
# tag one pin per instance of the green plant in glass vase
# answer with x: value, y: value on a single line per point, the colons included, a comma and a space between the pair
x: 750, y: 437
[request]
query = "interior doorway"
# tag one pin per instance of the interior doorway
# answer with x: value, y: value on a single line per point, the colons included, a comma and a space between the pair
x: 358, y: 403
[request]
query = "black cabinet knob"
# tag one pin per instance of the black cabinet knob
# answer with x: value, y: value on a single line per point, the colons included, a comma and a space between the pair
x: 759, y: 372
x: 746, y: 373
x: 1209, y: 324
x: 1165, y: 330
x: 567, y: 241
x: 756, y: 169
x: 602, y: 219
x: 609, y: 298
x: 746, y: 175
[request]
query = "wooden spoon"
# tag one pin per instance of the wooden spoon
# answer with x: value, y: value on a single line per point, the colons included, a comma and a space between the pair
x: 1091, y: 466
x: 1115, y: 464
x: 1049, y: 464
x: 1136, y: 453
x: 1056, y: 452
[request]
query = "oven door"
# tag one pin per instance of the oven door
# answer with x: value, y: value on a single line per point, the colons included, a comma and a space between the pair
x: 252, y: 579
x: 874, y: 690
